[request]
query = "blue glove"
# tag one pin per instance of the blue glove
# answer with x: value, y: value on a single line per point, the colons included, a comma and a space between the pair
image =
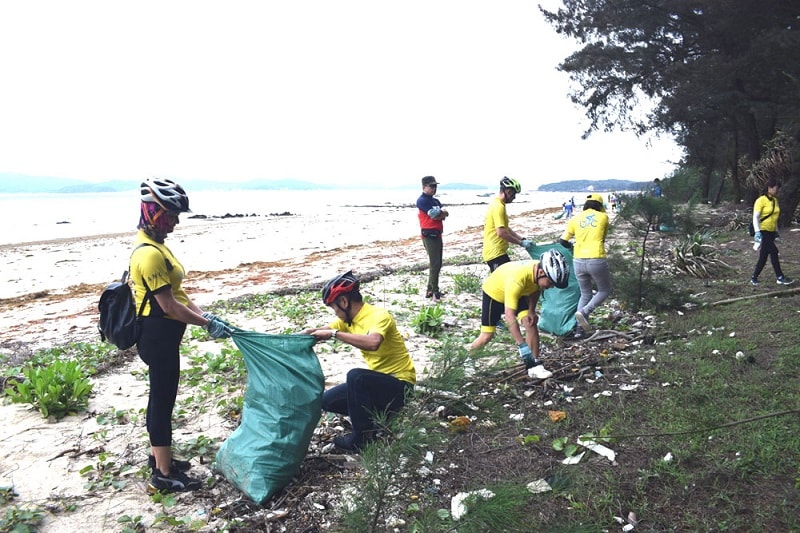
x: 526, y: 243
x: 218, y: 329
x: 434, y: 212
x: 757, y: 236
x: 526, y: 355
x: 210, y: 316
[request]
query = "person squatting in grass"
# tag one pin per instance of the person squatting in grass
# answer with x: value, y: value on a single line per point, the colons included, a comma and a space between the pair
x: 766, y: 211
x: 157, y: 277
x: 381, y: 388
x: 513, y: 290
x: 496, y: 233
x: 589, y: 228
x: 431, y: 216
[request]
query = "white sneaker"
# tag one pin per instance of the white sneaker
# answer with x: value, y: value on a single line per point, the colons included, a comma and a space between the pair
x: 539, y: 372
x: 582, y: 322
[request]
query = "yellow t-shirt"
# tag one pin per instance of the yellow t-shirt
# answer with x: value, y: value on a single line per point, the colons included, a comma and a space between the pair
x: 496, y: 217
x: 510, y: 282
x: 764, y: 206
x: 149, y: 264
x: 589, y: 229
x: 392, y: 356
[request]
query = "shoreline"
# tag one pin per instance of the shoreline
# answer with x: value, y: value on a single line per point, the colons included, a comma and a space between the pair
x: 55, y: 301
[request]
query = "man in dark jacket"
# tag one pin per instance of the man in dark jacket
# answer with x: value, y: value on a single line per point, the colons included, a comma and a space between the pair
x: 431, y: 214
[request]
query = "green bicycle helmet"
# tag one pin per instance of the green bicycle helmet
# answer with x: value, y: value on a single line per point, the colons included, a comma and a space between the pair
x: 510, y: 183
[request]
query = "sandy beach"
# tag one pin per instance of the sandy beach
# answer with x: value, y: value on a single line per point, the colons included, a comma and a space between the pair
x: 50, y: 293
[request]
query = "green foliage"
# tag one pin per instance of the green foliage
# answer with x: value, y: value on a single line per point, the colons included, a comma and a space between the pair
x: 105, y: 473
x: 20, y: 520
x: 429, y: 320
x: 697, y: 256
x: 56, y: 390
x: 467, y: 283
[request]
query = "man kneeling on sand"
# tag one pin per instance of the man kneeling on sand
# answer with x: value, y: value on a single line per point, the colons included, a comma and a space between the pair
x: 512, y: 291
x: 382, y: 388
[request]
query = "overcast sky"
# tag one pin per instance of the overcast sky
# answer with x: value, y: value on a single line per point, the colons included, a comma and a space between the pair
x: 324, y: 91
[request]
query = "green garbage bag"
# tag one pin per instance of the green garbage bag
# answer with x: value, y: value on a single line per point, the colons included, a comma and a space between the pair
x: 282, y: 406
x: 558, y: 305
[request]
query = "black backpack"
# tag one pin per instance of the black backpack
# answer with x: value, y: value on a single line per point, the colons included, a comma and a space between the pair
x: 119, y: 322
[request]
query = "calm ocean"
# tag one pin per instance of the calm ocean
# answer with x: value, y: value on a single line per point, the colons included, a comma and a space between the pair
x: 43, y: 217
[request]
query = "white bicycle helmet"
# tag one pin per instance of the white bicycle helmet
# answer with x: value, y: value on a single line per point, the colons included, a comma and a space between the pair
x: 165, y: 193
x: 556, y: 267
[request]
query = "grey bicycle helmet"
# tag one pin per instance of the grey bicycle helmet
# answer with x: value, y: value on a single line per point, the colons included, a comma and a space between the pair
x: 511, y: 183
x: 165, y: 193
x: 556, y: 268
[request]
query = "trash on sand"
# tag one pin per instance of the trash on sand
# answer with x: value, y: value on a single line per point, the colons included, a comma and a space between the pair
x: 599, y: 449
x: 457, y: 507
x: 538, y: 486
x: 575, y: 459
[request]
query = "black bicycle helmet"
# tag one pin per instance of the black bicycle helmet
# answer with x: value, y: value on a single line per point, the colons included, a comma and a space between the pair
x: 165, y: 193
x: 343, y: 284
x: 556, y: 267
x: 511, y: 183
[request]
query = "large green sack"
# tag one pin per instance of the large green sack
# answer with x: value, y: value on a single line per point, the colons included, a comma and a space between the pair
x: 558, y: 305
x: 282, y: 406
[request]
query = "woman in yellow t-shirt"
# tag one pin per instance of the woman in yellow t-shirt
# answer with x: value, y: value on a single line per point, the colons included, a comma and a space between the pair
x: 589, y: 229
x: 766, y: 212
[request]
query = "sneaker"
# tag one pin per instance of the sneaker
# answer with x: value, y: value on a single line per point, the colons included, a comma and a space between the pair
x: 176, y: 481
x: 428, y: 294
x: 437, y: 296
x: 783, y: 280
x: 177, y: 464
x: 754, y: 281
x: 582, y: 321
x: 539, y: 372
x: 578, y: 333
x: 347, y: 443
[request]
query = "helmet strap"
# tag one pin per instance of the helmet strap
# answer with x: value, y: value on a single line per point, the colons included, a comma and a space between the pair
x: 345, y: 310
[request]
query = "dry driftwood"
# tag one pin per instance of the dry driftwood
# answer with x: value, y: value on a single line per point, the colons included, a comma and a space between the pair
x: 786, y: 292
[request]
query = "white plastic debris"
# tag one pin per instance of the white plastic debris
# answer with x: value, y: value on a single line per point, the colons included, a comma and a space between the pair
x: 599, y: 449
x: 627, y: 527
x: 732, y: 334
x: 429, y: 457
x: 629, y: 387
x: 715, y: 352
x: 668, y: 457
x: 457, y: 507
x: 575, y: 459
x: 740, y: 355
x: 538, y: 486
x: 517, y: 417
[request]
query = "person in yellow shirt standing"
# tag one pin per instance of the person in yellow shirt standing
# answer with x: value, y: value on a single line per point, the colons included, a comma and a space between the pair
x: 390, y: 375
x: 589, y: 229
x: 766, y: 212
x: 496, y: 233
x: 512, y: 291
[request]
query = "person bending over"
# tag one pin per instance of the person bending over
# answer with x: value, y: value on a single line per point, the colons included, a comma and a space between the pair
x: 496, y: 233
x: 382, y: 387
x: 512, y: 291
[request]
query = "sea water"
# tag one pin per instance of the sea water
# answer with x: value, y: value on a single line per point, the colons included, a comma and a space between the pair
x: 27, y: 218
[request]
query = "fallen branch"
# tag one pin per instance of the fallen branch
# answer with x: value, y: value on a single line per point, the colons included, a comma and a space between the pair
x: 786, y: 292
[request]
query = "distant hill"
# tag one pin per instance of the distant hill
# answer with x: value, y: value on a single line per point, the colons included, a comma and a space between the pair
x: 20, y: 183
x: 595, y: 186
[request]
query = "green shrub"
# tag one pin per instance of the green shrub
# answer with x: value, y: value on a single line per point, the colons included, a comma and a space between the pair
x: 429, y: 320
x: 59, y: 389
x: 469, y: 283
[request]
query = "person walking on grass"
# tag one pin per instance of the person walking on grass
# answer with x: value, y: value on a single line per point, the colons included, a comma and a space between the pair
x: 157, y: 276
x: 431, y: 217
x: 382, y: 387
x: 496, y: 233
x: 589, y: 228
x: 512, y: 291
x: 766, y: 212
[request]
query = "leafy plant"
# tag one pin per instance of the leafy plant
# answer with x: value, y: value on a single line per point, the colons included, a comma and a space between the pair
x: 56, y: 390
x: 429, y: 320
x: 19, y: 520
x: 467, y: 283
x: 696, y: 256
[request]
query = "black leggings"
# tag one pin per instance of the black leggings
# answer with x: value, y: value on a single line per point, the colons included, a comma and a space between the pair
x: 159, y: 347
x: 769, y: 251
